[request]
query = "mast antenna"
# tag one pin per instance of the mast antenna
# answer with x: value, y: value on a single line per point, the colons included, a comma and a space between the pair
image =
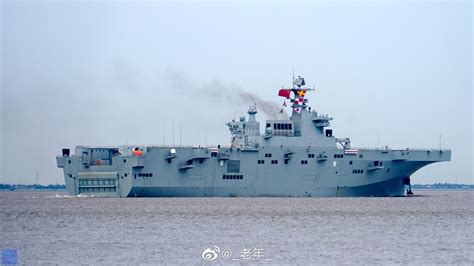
x: 440, y: 142
x: 293, y: 76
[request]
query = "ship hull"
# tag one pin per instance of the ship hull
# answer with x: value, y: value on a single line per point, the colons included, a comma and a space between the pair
x: 390, y: 188
x: 266, y: 172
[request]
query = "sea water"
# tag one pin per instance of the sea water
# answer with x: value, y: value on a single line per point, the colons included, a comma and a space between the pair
x: 433, y: 227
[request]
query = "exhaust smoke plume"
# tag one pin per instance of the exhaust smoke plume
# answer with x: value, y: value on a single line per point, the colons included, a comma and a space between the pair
x: 270, y: 109
x: 237, y: 97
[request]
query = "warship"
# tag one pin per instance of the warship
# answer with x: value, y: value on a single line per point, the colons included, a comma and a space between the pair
x: 295, y: 157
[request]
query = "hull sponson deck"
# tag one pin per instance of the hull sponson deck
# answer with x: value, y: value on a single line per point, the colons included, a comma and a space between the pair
x: 151, y: 175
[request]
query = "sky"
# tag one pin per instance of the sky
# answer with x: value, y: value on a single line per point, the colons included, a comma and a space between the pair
x: 112, y: 73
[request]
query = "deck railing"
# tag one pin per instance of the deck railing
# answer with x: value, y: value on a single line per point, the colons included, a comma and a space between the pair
x: 396, y: 149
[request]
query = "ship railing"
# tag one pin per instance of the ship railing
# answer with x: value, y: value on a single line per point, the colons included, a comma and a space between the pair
x: 188, y: 146
x: 151, y: 145
x: 130, y: 147
x: 398, y: 149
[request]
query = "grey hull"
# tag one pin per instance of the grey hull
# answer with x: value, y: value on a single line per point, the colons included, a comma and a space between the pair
x: 296, y: 157
x: 392, y: 187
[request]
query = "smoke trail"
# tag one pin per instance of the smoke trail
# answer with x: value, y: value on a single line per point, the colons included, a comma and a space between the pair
x: 224, y: 93
x: 236, y: 96
x: 272, y: 110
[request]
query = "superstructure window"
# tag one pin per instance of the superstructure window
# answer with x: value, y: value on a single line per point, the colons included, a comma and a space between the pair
x: 268, y: 155
x: 357, y: 171
x: 304, y: 162
x: 232, y: 177
x: 261, y: 162
x: 233, y: 166
x: 311, y: 155
x: 338, y: 156
x: 274, y: 162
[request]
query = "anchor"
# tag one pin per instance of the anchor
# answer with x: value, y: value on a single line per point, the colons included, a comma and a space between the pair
x: 406, y: 182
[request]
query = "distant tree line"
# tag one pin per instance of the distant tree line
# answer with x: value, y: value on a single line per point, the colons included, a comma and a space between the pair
x: 33, y: 186
x: 58, y: 186
x: 442, y: 186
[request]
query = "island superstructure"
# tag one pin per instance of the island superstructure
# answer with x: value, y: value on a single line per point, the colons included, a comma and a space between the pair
x: 299, y: 157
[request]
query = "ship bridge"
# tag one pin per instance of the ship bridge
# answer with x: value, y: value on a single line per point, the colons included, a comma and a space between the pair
x: 305, y: 127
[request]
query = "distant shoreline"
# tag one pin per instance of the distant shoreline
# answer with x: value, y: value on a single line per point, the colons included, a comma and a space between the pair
x: 32, y: 187
x: 436, y: 186
x: 443, y: 186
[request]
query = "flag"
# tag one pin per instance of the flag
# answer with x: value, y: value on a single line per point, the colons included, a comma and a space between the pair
x: 284, y: 93
x: 298, y: 103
